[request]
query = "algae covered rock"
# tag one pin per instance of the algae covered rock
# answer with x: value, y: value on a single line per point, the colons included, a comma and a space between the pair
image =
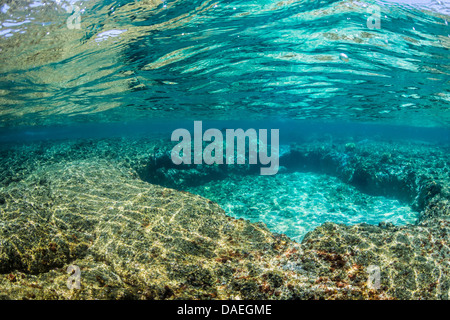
x: 83, y: 204
x: 129, y: 238
x: 413, y: 260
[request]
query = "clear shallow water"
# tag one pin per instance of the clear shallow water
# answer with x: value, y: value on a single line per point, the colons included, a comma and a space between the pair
x: 309, y: 68
x: 296, y: 203
x: 224, y: 60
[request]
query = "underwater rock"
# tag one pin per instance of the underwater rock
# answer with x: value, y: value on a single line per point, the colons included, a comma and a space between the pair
x: 85, y: 203
x: 130, y: 239
x: 413, y: 260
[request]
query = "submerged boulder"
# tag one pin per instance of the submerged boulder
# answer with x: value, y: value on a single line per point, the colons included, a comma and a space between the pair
x: 130, y: 239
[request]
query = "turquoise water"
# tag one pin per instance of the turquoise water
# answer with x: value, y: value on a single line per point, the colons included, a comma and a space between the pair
x: 297, y: 203
x: 359, y: 92
x: 224, y: 60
